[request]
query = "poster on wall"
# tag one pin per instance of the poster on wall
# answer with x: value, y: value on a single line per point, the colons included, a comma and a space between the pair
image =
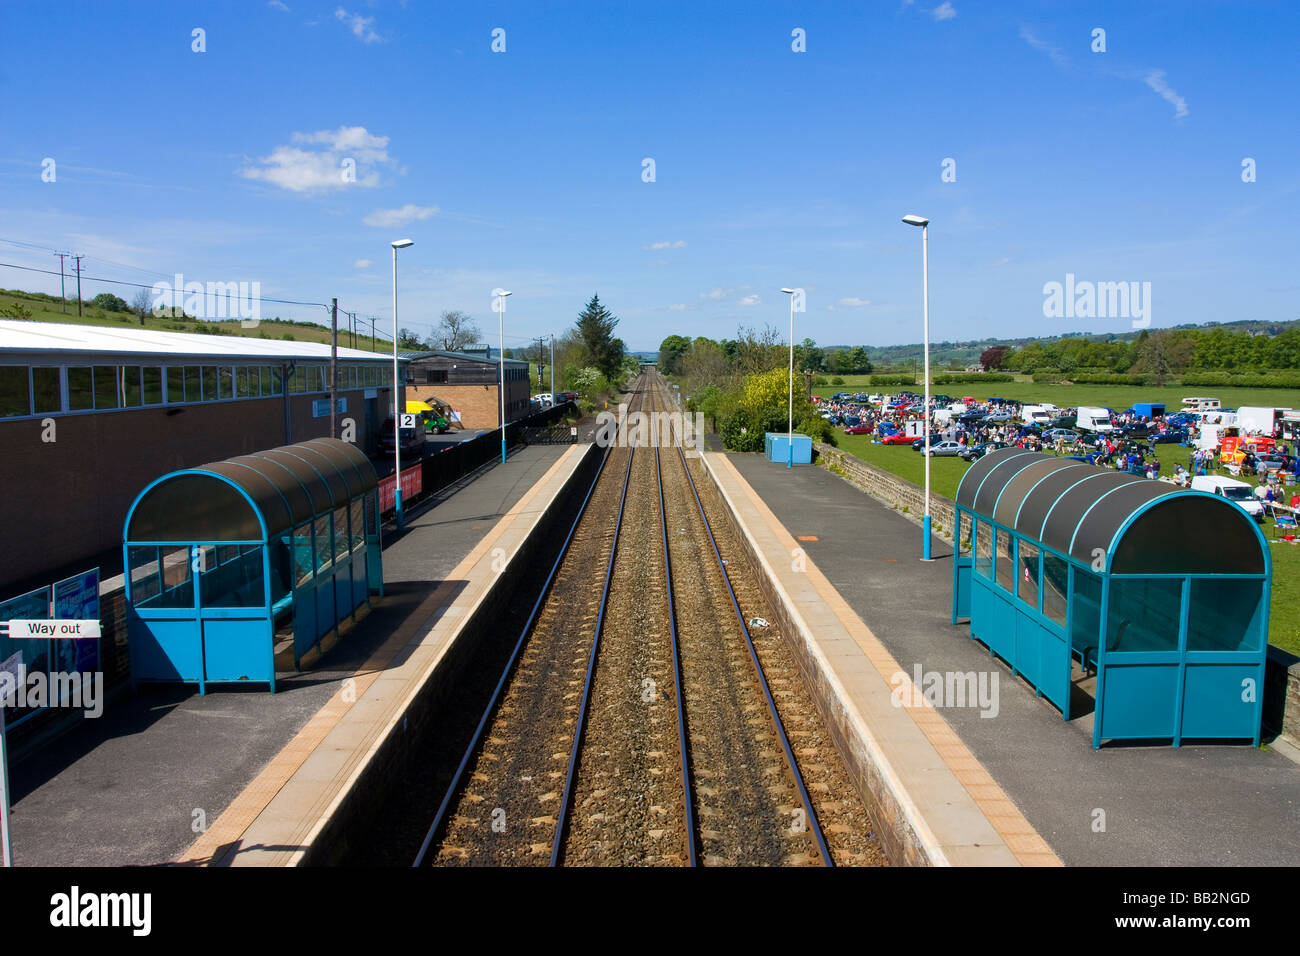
x: 19, y: 659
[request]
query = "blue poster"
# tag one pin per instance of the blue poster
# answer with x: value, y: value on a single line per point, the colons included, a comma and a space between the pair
x: 77, y: 598
x: 22, y: 657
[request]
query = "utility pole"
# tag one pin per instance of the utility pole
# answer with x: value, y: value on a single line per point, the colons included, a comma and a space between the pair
x: 552, y: 366
x: 78, y: 261
x: 541, y: 354
x: 63, y: 292
x: 334, y: 367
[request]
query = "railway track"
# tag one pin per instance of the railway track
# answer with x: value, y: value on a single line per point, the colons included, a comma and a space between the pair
x: 633, y: 724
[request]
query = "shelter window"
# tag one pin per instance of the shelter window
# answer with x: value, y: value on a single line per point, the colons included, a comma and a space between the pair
x: 14, y: 399
x: 1056, y: 580
x: 225, y: 382
x: 175, y: 384
x: 177, y: 582
x: 1028, y: 573
x: 1085, y: 622
x: 303, y: 562
x: 46, y: 390
x: 80, y: 395
x: 983, y: 549
x: 146, y: 573
x: 340, y: 532
x: 1144, y: 614
x: 963, y: 534
x: 1006, y: 563
x: 233, y: 577
x: 242, y: 387
x: 358, y: 525
x: 130, y: 386
x: 209, y: 383
x: 298, y: 380
x: 1228, y: 614
x: 193, y: 385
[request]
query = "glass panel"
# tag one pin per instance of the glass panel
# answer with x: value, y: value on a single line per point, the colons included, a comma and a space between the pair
x: 79, y: 395
x: 1085, y: 608
x: 1028, y: 574
x: 323, y: 544
x: 298, y: 380
x: 1055, y: 586
x: 130, y: 386
x: 209, y: 383
x: 242, y: 389
x: 281, y: 567
x: 177, y: 581
x: 303, y: 563
x: 340, y: 532
x: 146, y: 578
x: 270, y: 381
x: 13, y: 391
x: 192, y: 384
x: 1006, y: 561
x: 175, y: 384
x: 106, y: 386
x: 235, y: 580
x: 983, y: 549
x: 1225, y: 614
x: 152, y: 385
x: 45, y: 390
x: 358, y: 526
x: 1143, y: 614
x: 963, y: 534
x: 225, y: 382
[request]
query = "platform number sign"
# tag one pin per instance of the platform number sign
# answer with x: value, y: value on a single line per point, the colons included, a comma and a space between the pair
x: 407, y: 420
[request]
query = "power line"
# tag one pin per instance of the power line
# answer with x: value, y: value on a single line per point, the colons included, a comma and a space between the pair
x: 141, y: 285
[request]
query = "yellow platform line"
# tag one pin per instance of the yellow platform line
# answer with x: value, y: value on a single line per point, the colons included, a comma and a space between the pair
x: 1025, y: 843
x: 216, y: 843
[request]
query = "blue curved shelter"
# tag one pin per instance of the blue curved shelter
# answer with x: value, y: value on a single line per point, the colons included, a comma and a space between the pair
x: 1163, y: 591
x: 218, y: 556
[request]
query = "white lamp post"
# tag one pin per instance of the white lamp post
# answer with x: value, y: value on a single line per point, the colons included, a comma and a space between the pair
x: 925, y: 308
x: 789, y: 457
x: 501, y: 308
x: 397, y: 411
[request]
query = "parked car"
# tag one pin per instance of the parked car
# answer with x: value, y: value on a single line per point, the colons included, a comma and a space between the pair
x: 1138, y: 430
x: 935, y: 438
x: 976, y: 452
x: 1236, y: 491
x: 859, y: 429
x: 897, y: 438
x: 1064, y: 434
x: 1170, y: 436
x: 946, y: 449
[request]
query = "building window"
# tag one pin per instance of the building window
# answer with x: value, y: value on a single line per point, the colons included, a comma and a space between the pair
x: 130, y: 379
x: 225, y: 382
x: 209, y: 383
x: 152, y: 385
x: 13, y: 391
x: 192, y: 384
x: 46, y: 391
x: 242, y: 389
x: 435, y: 376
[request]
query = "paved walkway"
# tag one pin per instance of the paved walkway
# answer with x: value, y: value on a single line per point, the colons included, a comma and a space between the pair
x: 1119, y: 806
x: 138, y: 785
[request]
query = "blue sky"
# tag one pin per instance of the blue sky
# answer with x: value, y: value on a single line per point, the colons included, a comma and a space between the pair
x: 773, y: 168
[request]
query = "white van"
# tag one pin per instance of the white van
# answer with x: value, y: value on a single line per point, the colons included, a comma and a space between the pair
x: 1037, y: 414
x: 1232, y: 489
x: 1093, y: 419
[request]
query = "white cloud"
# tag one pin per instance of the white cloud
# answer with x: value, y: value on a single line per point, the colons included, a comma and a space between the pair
x: 678, y: 307
x: 400, y: 217
x: 359, y: 25
x: 852, y: 302
x: 679, y: 244
x: 716, y: 295
x: 277, y: 5
x: 349, y: 158
x: 361, y: 264
x: 1156, y: 80
x: 943, y: 11
x: 1042, y: 46
x: 751, y: 300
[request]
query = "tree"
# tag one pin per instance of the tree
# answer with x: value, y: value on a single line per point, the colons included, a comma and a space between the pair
x: 596, y: 327
x: 858, y: 361
x: 109, y: 303
x: 141, y: 303
x: 454, y: 331
x: 408, y: 340
x: 671, y: 350
x: 991, y: 359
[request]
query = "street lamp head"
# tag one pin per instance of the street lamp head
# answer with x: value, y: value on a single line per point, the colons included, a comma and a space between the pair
x: 403, y: 243
x: 788, y: 291
x: 500, y: 292
x: 916, y: 221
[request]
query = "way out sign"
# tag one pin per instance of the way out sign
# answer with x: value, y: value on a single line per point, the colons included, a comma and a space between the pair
x: 65, y: 629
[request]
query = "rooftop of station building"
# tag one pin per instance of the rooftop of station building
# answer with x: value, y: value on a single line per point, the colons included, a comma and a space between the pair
x: 20, y: 339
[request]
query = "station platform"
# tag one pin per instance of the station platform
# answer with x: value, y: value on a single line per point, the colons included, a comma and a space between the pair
x: 242, y: 776
x: 1212, y: 804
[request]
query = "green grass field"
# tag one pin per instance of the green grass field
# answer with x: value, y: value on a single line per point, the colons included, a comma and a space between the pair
x: 43, y: 310
x: 946, y: 474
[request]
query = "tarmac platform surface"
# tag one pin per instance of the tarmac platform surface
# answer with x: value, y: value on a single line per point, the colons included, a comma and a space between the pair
x: 138, y: 785
x: 1211, y: 804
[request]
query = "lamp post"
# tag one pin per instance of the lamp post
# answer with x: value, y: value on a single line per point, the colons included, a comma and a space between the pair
x: 789, y: 451
x: 397, y: 412
x: 925, y: 310
x: 552, y: 368
x: 501, y: 308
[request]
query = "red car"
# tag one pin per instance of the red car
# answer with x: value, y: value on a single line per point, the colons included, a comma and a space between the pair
x: 901, y: 438
x: 858, y: 430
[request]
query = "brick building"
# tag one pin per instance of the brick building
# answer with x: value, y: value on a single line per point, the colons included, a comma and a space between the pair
x: 89, y: 415
x: 468, y: 381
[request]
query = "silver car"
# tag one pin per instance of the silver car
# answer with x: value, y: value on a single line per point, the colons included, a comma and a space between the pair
x: 946, y: 449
